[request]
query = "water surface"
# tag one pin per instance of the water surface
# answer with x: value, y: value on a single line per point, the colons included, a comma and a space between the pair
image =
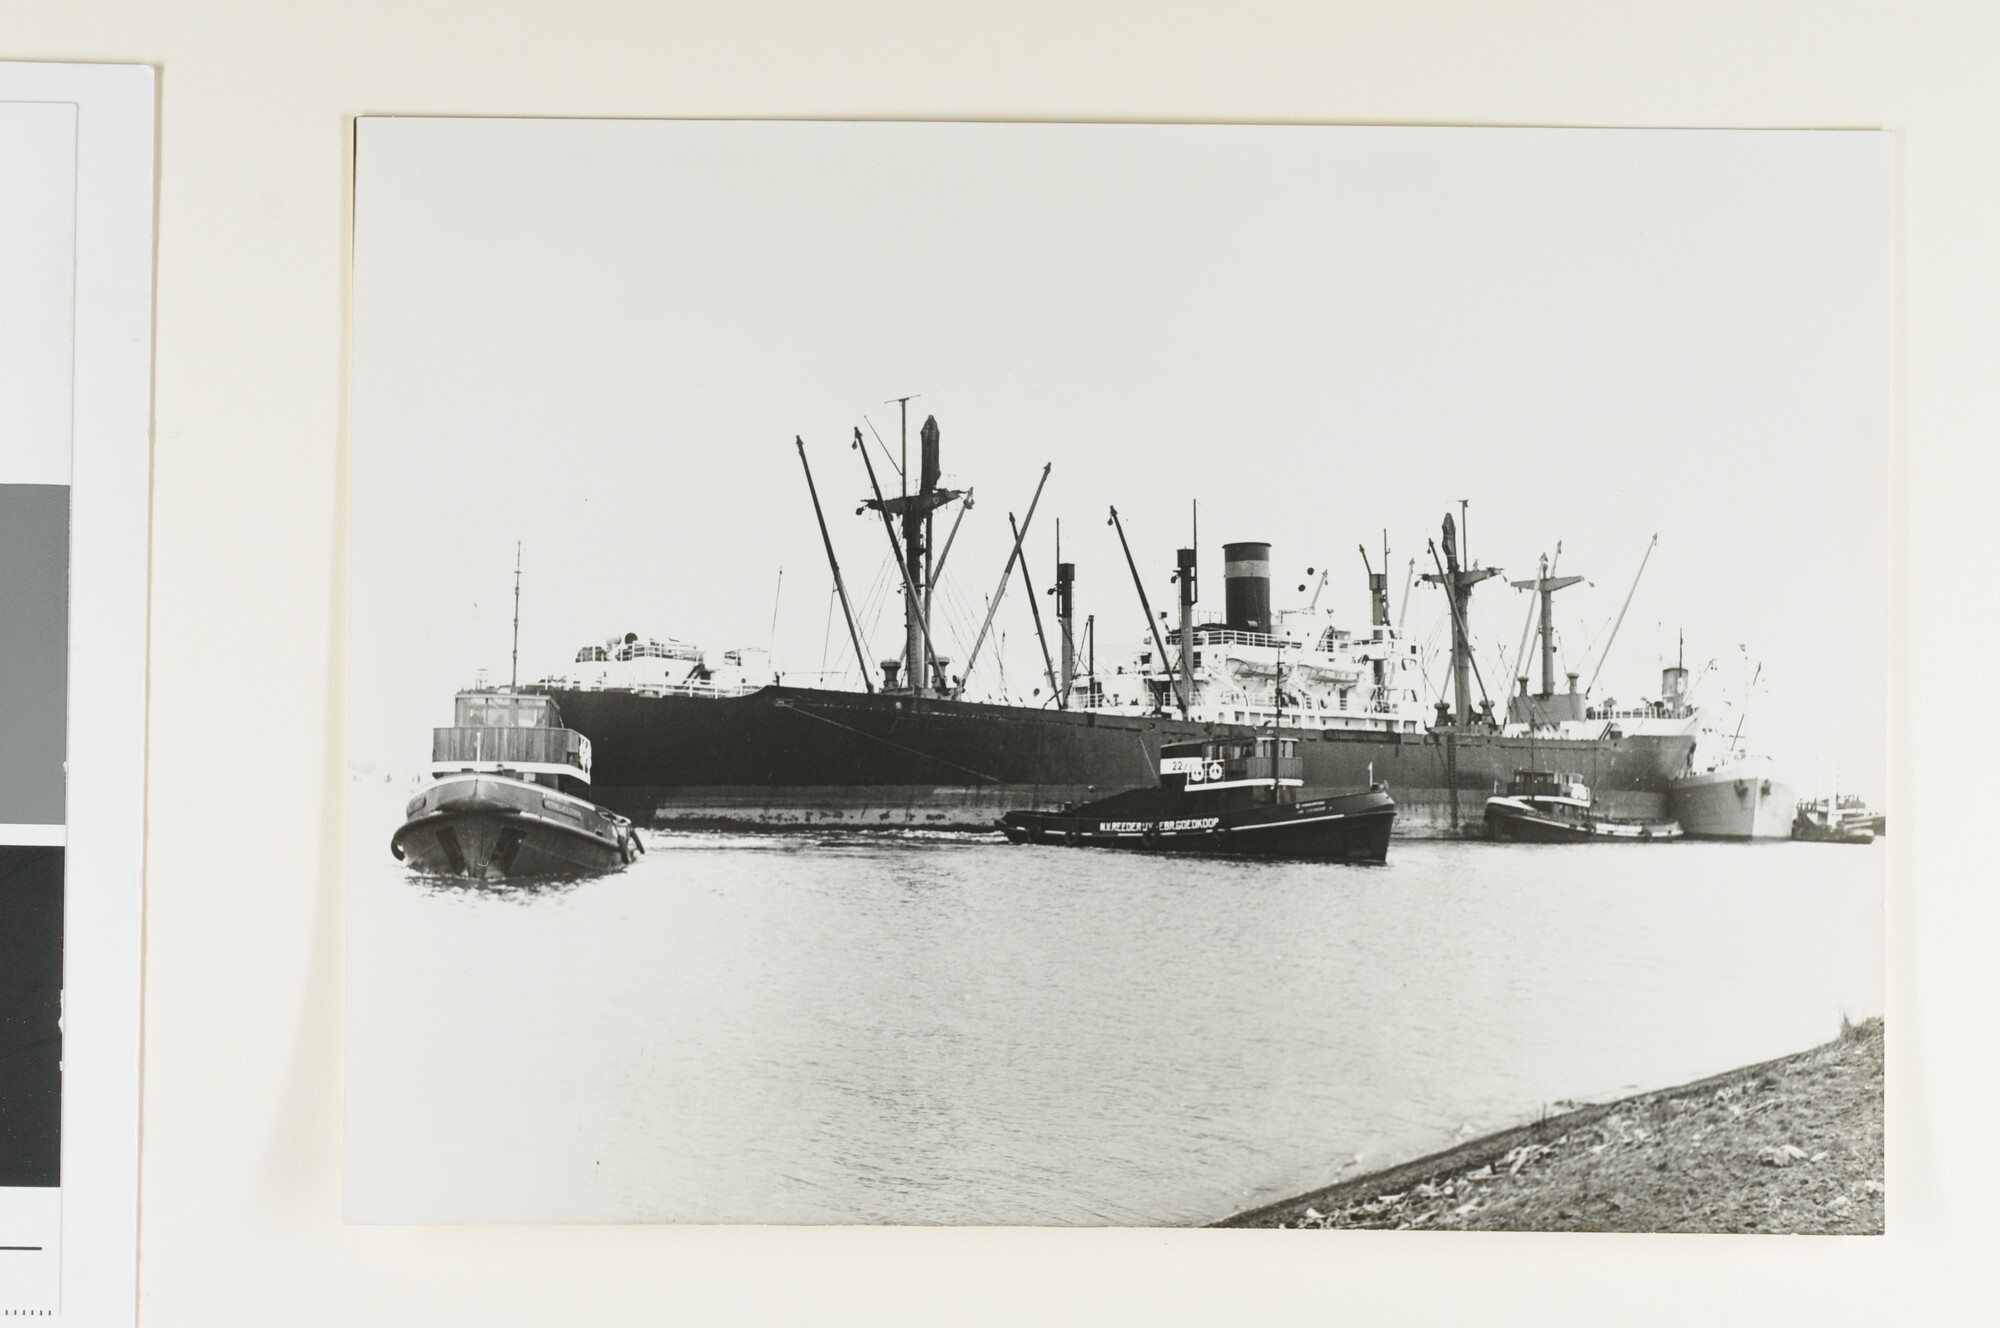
x: 943, y: 1029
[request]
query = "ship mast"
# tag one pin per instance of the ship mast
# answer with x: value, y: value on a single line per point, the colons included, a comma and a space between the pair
x: 1277, y: 715
x: 1090, y: 658
x: 1546, y: 586
x: 1378, y: 605
x: 912, y: 552
x: 1458, y: 583
x: 514, y: 671
x: 1185, y: 562
x: 1065, y: 617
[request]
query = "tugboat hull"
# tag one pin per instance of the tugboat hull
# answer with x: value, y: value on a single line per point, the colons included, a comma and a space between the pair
x: 489, y: 827
x: 1511, y: 819
x: 1350, y: 828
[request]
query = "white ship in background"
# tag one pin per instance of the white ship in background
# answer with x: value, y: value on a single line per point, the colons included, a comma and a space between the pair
x: 1729, y: 793
x: 1741, y: 798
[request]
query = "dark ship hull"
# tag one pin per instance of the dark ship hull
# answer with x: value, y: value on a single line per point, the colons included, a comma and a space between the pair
x: 1354, y: 828
x: 788, y: 756
x: 490, y: 827
x: 1507, y: 819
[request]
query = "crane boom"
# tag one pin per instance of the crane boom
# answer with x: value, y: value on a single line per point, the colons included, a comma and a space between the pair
x: 1605, y: 654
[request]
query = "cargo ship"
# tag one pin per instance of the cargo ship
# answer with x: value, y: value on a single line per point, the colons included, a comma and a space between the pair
x: 685, y: 736
x: 1742, y: 798
x: 1729, y: 793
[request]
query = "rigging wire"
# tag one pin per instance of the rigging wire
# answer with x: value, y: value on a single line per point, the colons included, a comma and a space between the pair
x: 872, y: 606
x: 893, y: 463
x: 826, y: 640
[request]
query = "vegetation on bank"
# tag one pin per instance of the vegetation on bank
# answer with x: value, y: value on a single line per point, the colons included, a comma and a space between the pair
x: 1792, y: 1145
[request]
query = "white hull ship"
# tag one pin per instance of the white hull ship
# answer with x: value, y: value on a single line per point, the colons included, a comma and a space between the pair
x: 1740, y: 799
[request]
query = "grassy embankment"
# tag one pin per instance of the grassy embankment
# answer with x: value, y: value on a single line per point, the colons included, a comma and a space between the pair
x: 1792, y: 1145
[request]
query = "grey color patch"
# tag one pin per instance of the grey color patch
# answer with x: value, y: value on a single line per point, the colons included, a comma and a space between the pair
x: 34, y: 651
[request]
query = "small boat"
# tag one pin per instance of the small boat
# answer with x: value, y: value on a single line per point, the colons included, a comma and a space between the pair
x: 496, y: 806
x: 1543, y: 807
x: 1853, y: 809
x: 1231, y: 796
x: 1834, y: 821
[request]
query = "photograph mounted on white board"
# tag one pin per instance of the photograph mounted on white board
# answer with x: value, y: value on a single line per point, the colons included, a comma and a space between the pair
x: 1117, y: 675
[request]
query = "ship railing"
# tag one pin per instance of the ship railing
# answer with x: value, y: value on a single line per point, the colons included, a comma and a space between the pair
x: 698, y: 689
x: 1210, y: 636
x: 707, y: 689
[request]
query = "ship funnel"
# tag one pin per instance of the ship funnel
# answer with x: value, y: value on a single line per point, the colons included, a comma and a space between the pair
x: 1246, y: 578
x: 1674, y: 686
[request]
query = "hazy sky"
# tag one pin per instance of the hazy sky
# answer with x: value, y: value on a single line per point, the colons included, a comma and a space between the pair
x: 600, y: 337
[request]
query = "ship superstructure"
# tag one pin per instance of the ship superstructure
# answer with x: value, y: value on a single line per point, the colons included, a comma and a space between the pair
x: 1255, y: 663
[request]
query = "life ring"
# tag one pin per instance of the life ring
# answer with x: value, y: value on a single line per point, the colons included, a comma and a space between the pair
x: 1073, y: 838
x: 1150, y: 836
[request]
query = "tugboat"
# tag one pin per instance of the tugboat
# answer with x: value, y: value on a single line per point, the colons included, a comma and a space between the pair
x: 496, y: 808
x: 502, y: 800
x: 1214, y: 797
x: 1854, y: 811
x: 1226, y: 795
x: 1833, y: 821
x: 1543, y: 807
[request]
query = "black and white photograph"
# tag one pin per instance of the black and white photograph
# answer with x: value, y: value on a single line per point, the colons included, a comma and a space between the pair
x: 1119, y: 675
